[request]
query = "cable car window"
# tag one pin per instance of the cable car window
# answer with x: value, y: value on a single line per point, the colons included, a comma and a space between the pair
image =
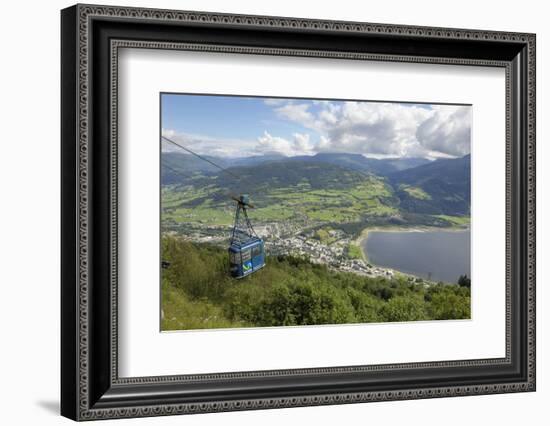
x: 256, y: 250
x: 234, y: 257
x: 245, y: 255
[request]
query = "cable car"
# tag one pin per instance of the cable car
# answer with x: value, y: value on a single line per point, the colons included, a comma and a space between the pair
x: 246, y: 249
x: 247, y: 258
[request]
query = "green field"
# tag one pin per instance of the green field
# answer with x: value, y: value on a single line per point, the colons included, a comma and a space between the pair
x: 198, y: 293
x: 355, y: 252
x: 366, y: 201
x: 455, y: 220
x: 188, y: 204
x: 415, y: 192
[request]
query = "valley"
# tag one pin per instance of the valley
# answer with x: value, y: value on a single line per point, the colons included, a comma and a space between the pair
x: 315, y: 207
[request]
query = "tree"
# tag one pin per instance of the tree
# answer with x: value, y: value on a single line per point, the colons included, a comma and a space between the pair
x: 449, y: 305
x: 403, y: 309
x: 464, y: 281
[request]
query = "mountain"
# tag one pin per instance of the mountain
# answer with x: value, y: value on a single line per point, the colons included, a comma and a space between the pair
x: 380, y: 167
x: 287, y: 173
x: 404, y: 163
x: 177, y: 167
x: 180, y: 167
x: 440, y: 187
x: 256, y: 159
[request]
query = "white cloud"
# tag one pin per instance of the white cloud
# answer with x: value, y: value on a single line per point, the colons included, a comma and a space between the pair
x: 374, y: 129
x: 296, y: 112
x: 447, y: 131
x: 169, y: 133
x: 206, y: 145
x: 384, y: 129
x: 275, y: 101
x: 302, y: 143
x: 299, y: 145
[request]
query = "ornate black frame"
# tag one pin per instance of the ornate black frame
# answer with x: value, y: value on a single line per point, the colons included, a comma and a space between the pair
x: 91, y: 37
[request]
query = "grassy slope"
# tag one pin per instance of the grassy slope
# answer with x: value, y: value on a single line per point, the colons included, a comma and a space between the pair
x: 368, y: 203
x: 197, y: 293
x: 296, y: 189
x: 370, y: 198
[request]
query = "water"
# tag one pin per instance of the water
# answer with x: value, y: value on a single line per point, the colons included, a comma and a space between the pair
x: 435, y: 255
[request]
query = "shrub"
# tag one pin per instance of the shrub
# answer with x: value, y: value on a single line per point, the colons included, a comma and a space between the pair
x: 403, y: 309
x: 449, y: 305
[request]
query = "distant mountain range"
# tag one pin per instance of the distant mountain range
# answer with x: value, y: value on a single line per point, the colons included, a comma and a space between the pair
x: 381, y: 167
x: 445, y: 183
x: 289, y: 173
x: 188, y: 164
x: 420, y: 186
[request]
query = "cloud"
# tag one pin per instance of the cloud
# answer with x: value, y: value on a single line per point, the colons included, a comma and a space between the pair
x: 374, y: 129
x: 297, y: 112
x: 302, y: 143
x: 383, y: 129
x: 206, y: 145
x: 274, y: 101
x: 448, y: 131
x: 299, y: 145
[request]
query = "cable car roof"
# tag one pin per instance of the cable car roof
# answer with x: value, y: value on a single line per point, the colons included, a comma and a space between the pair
x: 237, y: 245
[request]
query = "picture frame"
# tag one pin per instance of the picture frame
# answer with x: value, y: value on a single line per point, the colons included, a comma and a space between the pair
x: 91, y: 37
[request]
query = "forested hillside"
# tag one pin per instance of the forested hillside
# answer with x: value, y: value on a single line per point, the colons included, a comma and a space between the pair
x: 198, y: 293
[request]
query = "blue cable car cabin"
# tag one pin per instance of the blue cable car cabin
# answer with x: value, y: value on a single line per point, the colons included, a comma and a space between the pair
x: 246, y: 249
x: 246, y: 258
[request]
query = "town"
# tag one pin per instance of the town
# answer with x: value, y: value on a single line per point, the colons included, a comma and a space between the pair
x: 286, y: 238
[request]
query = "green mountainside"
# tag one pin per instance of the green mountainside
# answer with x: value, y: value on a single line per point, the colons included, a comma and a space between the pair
x: 381, y: 167
x: 300, y: 191
x: 321, y: 188
x: 189, y: 164
x: 441, y: 187
x: 197, y: 293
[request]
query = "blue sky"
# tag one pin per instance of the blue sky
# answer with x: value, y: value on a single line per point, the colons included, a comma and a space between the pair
x: 230, y: 117
x: 242, y: 126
